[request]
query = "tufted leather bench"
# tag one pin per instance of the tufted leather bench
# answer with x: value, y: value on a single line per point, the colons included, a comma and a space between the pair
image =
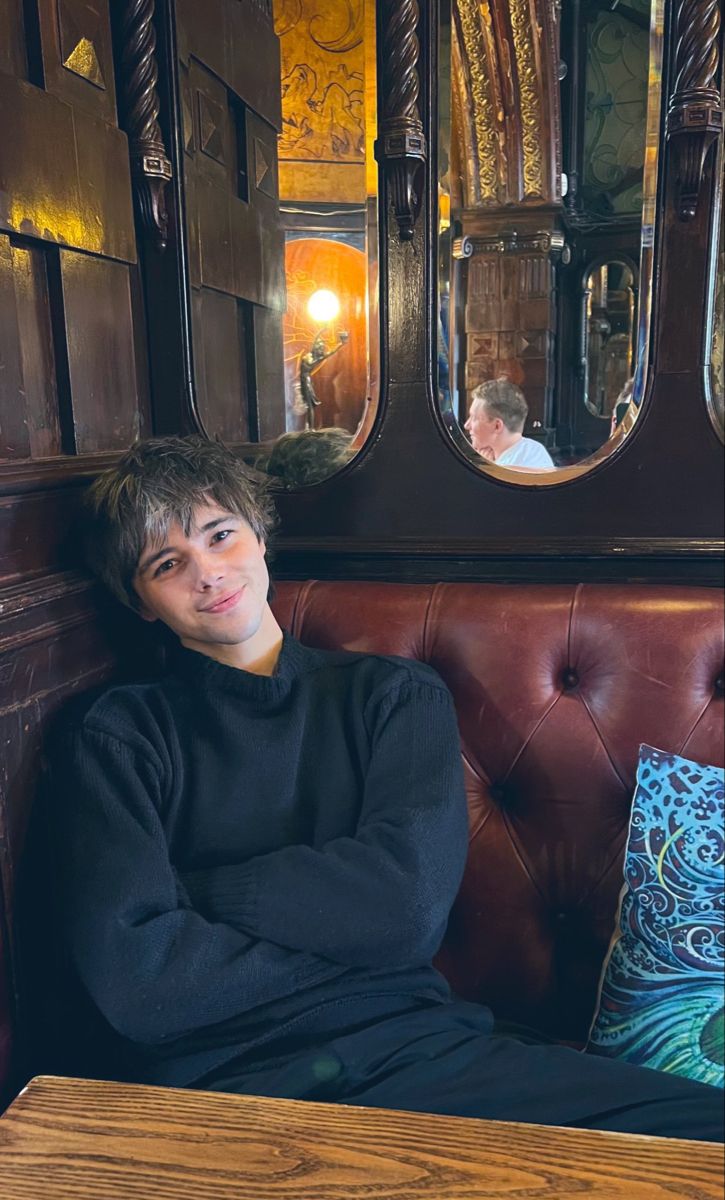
x: 555, y: 688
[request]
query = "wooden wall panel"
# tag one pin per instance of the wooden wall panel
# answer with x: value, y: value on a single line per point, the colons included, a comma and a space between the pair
x: 54, y: 174
x: 228, y: 59
x: 101, y: 359
x: 14, y: 439
x: 29, y: 426
x: 12, y: 38
x: 221, y: 365
x: 237, y: 42
x: 58, y: 663
x: 34, y: 531
x: 269, y: 371
x: 37, y: 352
x: 78, y: 54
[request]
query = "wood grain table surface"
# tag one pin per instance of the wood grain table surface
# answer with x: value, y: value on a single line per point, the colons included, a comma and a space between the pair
x: 77, y: 1139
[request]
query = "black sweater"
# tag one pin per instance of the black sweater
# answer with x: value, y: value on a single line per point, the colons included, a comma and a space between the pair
x: 244, y: 855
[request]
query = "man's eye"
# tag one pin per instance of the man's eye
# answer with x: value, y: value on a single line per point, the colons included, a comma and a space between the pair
x: 221, y: 535
x: 164, y: 567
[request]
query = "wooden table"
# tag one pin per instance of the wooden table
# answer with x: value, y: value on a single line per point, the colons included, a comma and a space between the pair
x: 77, y: 1139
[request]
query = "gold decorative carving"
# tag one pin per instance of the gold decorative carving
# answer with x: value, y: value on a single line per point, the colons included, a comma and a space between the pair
x: 523, y: 29
x: 484, y: 118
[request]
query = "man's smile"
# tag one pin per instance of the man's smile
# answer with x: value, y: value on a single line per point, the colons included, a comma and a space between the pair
x: 224, y: 603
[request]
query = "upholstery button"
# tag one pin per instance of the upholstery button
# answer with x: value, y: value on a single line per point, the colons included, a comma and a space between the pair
x: 497, y: 792
x: 720, y: 684
x: 570, y: 678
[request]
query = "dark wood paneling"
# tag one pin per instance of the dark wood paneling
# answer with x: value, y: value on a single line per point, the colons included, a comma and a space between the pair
x: 269, y: 366
x: 29, y: 416
x: 54, y: 174
x: 14, y: 438
x: 36, y: 346
x: 229, y: 269
x: 12, y: 38
x: 101, y: 362
x: 34, y: 531
x: 221, y: 365
x: 78, y: 55
x: 237, y: 42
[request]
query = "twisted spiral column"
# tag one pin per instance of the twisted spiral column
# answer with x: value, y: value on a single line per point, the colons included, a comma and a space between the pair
x: 695, y: 116
x: 150, y: 165
x: 401, y: 146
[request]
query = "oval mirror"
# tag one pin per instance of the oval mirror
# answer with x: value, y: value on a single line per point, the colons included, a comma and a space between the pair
x: 549, y: 132
x: 280, y: 199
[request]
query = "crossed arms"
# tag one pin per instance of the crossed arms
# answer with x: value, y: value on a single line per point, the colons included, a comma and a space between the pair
x: 163, y: 954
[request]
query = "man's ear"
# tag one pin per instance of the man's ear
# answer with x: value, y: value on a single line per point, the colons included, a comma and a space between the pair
x: 145, y: 613
x: 498, y: 424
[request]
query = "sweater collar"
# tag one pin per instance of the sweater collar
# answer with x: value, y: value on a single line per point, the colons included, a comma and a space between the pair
x: 202, y: 671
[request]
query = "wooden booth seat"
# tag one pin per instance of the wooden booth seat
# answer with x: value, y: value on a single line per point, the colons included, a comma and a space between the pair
x: 555, y: 688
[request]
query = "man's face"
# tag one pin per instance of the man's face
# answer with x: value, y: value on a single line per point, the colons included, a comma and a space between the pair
x: 210, y: 587
x: 483, y: 430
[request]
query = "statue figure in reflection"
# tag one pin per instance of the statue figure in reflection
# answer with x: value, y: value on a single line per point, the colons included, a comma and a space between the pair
x: 310, y: 363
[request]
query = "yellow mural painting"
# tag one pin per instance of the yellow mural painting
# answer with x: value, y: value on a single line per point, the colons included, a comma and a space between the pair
x: 326, y: 94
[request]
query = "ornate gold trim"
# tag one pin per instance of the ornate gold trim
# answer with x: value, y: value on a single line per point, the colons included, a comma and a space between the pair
x: 484, y: 118
x: 523, y: 28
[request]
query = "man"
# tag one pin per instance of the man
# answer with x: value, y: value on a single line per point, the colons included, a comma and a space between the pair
x: 495, y: 426
x: 259, y: 851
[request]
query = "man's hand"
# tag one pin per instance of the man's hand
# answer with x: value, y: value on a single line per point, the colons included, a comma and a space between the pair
x: 488, y: 453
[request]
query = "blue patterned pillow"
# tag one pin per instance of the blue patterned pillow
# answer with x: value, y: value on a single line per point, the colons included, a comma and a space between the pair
x: 662, y: 992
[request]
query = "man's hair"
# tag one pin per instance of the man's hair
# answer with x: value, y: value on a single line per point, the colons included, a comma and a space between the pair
x: 155, y: 483
x: 308, y: 456
x: 503, y: 399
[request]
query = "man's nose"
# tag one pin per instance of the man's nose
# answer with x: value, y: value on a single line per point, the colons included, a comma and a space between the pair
x: 209, y: 570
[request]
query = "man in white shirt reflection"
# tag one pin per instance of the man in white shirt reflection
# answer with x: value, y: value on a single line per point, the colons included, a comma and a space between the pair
x: 495, y: 426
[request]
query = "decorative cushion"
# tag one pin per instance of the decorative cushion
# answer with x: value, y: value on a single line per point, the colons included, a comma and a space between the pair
x: 661, y: 996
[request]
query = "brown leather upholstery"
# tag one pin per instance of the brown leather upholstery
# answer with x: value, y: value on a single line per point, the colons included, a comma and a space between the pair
x: 555, y: 688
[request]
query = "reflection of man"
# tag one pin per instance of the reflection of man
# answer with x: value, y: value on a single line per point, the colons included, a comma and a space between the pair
x: 495, y: 426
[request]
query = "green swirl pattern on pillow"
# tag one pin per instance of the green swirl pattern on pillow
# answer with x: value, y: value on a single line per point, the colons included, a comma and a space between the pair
x: 662, y: 993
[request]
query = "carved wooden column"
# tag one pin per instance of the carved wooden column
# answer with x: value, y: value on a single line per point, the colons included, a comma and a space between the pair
x: 695, y: 117
x: 401, y: 146
x: 150, y: 165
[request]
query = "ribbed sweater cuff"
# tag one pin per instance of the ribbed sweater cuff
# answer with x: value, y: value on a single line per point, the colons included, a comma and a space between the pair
x: 227, y: 894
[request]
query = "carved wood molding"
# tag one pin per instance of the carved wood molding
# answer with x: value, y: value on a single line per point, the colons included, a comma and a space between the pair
x: 695, y: 116
x: 150, y: 165
x: 401, y: 147
x: 38, y: 609
x: 543, y: 241
x: 530, y: 560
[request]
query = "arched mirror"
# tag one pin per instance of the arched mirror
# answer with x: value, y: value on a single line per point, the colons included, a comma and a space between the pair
x: 280, y: 204
x: 549, y: 132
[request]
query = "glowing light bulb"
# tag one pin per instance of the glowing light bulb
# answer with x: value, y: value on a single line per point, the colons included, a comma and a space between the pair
x: 323, y: 306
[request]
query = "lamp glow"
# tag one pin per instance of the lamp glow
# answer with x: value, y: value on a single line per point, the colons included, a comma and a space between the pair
x: 323, y: 306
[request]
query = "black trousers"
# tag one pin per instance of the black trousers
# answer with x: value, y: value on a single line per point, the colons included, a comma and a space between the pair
x: 445, y: 1059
